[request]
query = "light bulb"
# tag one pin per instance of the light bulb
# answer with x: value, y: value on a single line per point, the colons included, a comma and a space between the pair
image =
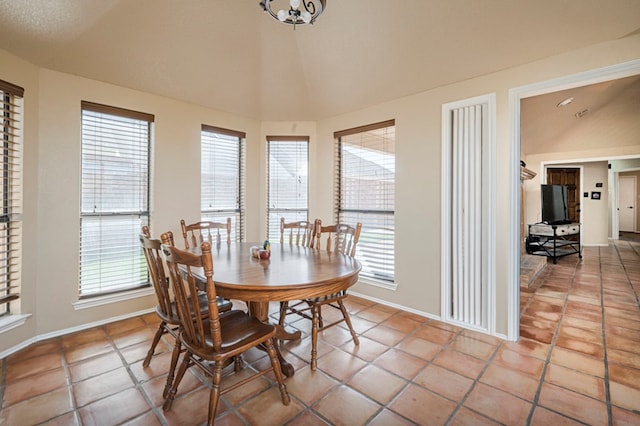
x: 283, y: 15
x: 295, y: 4
x: 306, y: 17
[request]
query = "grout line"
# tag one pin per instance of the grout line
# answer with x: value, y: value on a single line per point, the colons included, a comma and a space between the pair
x: 137, y: 384
x: 626, y: 272
x: 67, y: 373
x: 488, y: 363
x: 552, y: 345
x: 607, y: 388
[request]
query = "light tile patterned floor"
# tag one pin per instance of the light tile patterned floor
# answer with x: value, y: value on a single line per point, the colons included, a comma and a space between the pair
x: 578, y: 361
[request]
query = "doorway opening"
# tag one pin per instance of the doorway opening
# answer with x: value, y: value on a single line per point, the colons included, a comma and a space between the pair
x: 516, y: 95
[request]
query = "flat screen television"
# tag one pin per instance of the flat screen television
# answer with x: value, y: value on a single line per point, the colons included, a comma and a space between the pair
x: 554, y: 204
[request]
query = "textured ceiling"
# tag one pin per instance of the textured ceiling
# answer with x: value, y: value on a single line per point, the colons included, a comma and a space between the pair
x: 230, y: 55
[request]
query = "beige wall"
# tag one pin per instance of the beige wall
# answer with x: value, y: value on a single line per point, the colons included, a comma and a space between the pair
x: 595, y: 213
x: 52, y: 170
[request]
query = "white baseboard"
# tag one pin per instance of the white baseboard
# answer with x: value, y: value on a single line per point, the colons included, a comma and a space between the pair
x: 395, y: 305
x: 70, y: 330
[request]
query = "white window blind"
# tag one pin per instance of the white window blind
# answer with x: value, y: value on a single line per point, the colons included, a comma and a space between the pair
x: 11, y: 195
x: 288, y: 170
x: 222, y: 177
x: 115, y: 198
x: 365, y: 192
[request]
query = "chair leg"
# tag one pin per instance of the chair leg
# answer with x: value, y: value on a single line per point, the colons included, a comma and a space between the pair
x: 175, y: 355
x: 237, y: 363
x: 156, y: 339
x: 347, y: 319
x: 283, y: 312
x: 320, y: 323
x: 314, y: 337
x: 275, y: 363
x: 214, y: 395
x: 186, y: 362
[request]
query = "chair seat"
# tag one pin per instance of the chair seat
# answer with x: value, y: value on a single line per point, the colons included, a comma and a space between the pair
x: 238, y: 330
x: 223, y: 306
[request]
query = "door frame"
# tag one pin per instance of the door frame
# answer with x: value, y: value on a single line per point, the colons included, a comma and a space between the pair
x: 634, y: 179
x: 613, y: 72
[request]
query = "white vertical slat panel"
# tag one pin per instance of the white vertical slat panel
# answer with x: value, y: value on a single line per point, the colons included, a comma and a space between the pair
x: 455, y: 204
x: 466, y: 237
x: 466, y: 289
x: 479, y: 293
x: 460, y: 171
x: 468, y: 233
x: 469, y: 213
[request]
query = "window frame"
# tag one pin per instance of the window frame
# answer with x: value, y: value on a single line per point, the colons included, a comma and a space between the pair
x: 11, y: 105
x: 290, y: 214
x: 366, y: 248
x: 142, y: 286
x: 238, y: 212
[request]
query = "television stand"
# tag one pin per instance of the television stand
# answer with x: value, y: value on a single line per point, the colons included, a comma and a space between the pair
x: 554, y: 241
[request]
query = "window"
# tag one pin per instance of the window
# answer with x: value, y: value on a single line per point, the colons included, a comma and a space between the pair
x: 222, y: 177
x: 115, y: 198
x: 10, y: 198
x: 288, y: 167
x: 365, y: 192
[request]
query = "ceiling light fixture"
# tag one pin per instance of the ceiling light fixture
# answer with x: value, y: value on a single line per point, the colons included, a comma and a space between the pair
x: 295, y: 16
x: 565, y: 102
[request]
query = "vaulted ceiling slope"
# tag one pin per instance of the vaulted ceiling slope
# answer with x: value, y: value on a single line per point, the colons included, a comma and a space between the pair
x: 230, y: 55
x: 598, y: 115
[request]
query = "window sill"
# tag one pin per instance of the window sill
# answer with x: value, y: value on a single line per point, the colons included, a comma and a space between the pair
x: 12, y: 321
x: 112, y: 298
x: 378, y: 283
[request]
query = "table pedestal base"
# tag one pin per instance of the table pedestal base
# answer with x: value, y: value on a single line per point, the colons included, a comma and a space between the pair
x: 260, y: 310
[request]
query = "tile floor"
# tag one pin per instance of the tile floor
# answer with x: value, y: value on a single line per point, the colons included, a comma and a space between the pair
x: 578, y: 362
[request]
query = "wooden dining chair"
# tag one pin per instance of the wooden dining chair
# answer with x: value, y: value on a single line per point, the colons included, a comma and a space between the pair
x: 298, y: 233
x: 197, y: 233
x: 210, y: 343
x: 339, y: 238
x: 166, y: 308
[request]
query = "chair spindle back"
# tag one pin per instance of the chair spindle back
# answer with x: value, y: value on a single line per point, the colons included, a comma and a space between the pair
x: 197, y: 333
x: 339, y: 238
x: 206, y: 231
x: 300, y: 233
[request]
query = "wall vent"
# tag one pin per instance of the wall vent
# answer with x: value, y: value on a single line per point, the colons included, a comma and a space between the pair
x: 582, y: 113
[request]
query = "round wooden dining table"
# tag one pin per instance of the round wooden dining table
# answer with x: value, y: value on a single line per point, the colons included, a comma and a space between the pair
x: 291, y: 273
